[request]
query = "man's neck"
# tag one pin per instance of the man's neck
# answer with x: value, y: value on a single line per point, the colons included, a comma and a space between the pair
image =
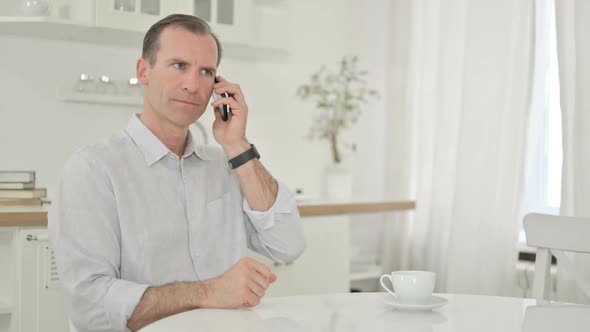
x: 173, y: 137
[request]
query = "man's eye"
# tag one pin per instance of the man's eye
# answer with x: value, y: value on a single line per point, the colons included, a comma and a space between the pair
x: 179, y: 66
x: 206, y: 72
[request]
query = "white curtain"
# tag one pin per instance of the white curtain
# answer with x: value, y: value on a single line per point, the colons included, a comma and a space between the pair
x: 573, y: 47
x: 473, y: 62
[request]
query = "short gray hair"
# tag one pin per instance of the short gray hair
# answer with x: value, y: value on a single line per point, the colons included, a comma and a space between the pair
x: 151, y: 41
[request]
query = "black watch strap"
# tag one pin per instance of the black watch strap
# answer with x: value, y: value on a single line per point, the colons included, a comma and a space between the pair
x: 244, y: 157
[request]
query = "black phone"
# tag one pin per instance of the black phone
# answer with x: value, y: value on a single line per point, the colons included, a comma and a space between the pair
x: 223, y: 109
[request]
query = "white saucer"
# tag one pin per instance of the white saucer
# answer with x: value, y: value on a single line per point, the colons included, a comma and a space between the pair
x: 433, y: 302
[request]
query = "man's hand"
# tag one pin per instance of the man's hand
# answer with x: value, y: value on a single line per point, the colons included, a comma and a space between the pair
x: 244, y: 284
x: 231, y: 134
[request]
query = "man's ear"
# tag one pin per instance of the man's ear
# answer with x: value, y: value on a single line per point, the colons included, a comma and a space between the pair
x: 142, y: 69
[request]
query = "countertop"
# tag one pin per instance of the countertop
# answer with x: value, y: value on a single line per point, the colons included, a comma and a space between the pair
x: 17, y: 216
x: 22, y: 216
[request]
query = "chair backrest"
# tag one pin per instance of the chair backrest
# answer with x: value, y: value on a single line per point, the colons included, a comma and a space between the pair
x: 553, y: 235
x: 72, y: 327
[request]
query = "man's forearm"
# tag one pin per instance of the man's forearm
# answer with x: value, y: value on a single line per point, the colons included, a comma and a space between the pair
x: 244, y: 284
x: 259, y: 187
x: 160, y: 302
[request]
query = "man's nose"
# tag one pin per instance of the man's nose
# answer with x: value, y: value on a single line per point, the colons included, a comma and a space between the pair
x: 191, y: 83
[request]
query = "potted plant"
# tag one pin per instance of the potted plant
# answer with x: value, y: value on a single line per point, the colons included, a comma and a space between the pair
x: 339, y: 98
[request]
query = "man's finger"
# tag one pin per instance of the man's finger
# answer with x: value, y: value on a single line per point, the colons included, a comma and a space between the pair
x: 253, y: 299
x: 260, y: 280
x: 231, y: 102
x: 231, y: 88
x: 262, y: 269
x: 256, y: 289
x: 216, y: 113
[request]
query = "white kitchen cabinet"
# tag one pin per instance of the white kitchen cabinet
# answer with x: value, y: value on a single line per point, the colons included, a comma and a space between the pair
x: 231, y: 20
x: 41, y: 304
x: 248, y: 29
x: 30, y: 297
x: 242, y: 22
x: 323, y: 267
x: 8, y: 264
x: 272, y: 24
x: 136, y: 15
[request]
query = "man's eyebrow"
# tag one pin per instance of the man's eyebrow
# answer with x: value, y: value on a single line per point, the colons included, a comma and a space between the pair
x: 175, y: 60
x: 213, y: 69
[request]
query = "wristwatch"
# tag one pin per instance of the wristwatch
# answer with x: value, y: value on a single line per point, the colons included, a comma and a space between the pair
x: 243, y: 157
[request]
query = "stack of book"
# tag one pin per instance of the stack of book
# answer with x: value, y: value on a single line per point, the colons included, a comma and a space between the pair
x: 18, y: 188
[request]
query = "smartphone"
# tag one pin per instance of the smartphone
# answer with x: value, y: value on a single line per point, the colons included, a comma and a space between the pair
x: 223, y: 109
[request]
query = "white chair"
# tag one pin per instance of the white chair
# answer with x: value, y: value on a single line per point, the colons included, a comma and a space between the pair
x: 553, y: 235
x: 72, y: 327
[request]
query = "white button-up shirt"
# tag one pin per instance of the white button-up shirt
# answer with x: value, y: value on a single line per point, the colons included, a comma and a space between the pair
x: 131, y: 214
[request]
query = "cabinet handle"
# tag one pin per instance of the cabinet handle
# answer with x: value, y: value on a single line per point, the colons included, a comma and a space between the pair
x: 37, y: 237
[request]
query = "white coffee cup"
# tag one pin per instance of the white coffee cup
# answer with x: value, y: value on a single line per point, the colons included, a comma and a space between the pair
x: 411, y: 287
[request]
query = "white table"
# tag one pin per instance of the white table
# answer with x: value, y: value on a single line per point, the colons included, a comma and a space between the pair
x: 367, y: 312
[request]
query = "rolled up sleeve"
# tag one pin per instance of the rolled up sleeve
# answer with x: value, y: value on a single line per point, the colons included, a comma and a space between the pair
x: 85, y: 235
x: 276, y: 233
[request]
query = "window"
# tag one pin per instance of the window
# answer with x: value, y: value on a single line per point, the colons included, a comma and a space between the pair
x: 543, y: 191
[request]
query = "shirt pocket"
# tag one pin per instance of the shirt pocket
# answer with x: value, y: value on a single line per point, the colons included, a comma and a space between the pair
x: 224, y: 214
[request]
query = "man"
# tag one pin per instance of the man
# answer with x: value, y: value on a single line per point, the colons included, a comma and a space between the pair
x: 146, y: 224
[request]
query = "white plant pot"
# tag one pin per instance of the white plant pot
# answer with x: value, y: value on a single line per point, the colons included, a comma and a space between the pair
x: 338, y: 181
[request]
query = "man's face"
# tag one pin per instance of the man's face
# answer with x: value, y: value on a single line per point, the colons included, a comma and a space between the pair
x: 179, y: 84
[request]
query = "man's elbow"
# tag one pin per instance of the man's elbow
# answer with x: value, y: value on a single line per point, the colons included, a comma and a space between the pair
x: 295, y: 250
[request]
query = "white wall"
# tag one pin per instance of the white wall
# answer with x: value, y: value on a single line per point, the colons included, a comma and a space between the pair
x: 37, y: 131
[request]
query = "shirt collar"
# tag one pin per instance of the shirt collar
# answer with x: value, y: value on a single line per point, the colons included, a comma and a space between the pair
x: 152, y: 148
x: 198, y: 150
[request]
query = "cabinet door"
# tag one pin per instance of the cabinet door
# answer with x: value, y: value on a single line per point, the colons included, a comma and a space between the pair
x: 7, y: 279
x: 136, y: 15
x: 231, y: 20
x: 41, y: 305
x: 323, y: 267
